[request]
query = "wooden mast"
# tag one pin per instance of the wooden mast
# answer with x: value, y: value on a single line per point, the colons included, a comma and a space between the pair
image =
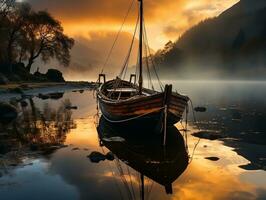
x: 140, y: 46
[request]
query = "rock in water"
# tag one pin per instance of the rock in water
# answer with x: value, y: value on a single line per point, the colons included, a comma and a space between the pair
x: 96, y: 157
x: 3, y: 79
x: 8, y: 113
x: 56, y: 96
x: 43, y: 96
x: 110, y: 156
x: 16, y: 90
x: 71, y: 107
x: 24, y: 86
x: 54, y: 75
x: 200, y: 109
x: 23, y: 103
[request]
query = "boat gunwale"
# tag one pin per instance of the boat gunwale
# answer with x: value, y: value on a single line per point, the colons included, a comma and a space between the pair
x: 133, y: 99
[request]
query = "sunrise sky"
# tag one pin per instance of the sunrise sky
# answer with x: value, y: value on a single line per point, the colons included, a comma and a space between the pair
x: 165, y: 19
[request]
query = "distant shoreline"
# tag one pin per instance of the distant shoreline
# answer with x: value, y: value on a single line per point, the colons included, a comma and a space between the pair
x: 16, y: 90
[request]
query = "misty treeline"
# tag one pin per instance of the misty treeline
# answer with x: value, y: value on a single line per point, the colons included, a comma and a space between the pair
x: 232, y: 43
x: 26, y: 34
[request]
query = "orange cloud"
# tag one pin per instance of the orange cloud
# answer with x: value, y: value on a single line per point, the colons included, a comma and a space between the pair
x: 165, y: 19
x: 101, y: 10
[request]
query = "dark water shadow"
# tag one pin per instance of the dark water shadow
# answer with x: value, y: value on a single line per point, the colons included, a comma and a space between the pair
x: 242, y: 129
x: 144, y: 152
x: 54, y: 96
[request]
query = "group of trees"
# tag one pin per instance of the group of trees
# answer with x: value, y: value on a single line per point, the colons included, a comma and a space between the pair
x: 231, y: 44
x: 26, y: 35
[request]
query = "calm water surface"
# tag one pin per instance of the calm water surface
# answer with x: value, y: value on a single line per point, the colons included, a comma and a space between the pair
x: 43, y: 155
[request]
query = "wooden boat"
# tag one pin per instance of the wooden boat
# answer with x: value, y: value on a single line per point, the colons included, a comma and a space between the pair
x: 144, y: 153
x: 122, y: 101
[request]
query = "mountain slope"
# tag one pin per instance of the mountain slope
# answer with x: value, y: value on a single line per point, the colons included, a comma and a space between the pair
x: 232, y: 44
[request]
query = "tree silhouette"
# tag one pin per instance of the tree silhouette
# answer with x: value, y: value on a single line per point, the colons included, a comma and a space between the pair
x: 17, y: 19
x: 13, y: 17
x: 6, y: 7
x: 44, y: 37
x: 26, y: 35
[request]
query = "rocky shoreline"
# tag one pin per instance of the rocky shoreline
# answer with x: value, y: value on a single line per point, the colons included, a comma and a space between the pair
x: 15, y: 90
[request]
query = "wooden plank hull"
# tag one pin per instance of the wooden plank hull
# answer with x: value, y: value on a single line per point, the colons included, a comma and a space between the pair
x: 144, y: 109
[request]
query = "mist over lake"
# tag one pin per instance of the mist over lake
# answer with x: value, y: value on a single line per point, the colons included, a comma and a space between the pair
x: 229, y: 131
x: 135, y: 99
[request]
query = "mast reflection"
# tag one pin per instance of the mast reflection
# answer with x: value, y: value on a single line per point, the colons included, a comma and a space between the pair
x: 145, y: 153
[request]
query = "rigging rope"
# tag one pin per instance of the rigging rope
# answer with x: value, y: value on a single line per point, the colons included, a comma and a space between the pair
x: 126, y: 62
x: 151, y: 58
x: 117, y: 35
x: 113, y: 175
x: 195, y: 121
x: 131, y: 182
x: 147, y: 64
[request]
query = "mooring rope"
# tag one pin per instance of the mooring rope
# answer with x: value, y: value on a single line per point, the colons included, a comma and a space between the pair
x: 196, y: 123
x: 151, y: 58
x: 113, y: 175
x: 117, y: 36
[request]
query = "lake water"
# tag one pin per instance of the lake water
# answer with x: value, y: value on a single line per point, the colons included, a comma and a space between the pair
x: 44, y: 154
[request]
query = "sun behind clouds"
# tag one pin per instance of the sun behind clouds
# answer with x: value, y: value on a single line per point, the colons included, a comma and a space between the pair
x: 165, y: 19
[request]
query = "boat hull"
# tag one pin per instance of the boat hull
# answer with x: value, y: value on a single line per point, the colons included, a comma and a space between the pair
x: 144, y: 109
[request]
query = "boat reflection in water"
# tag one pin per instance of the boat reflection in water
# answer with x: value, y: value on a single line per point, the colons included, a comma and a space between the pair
x: 145, y: 153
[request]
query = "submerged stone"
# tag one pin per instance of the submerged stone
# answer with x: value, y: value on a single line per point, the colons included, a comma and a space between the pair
x: 55, y: 75
x: 4, y: 148
x: 200, y: 109
x: 96, y: 157
x: 23, y: 104
x: 71, y: 107
x: 110, y: 156
x: 8, y: 113
x: 43, y: 96
x: 3, y: 79
x: 24, y: 86
x: 56, y: 96
x: 209, y: 135
x: 16, y: 90
x: 34, y: 147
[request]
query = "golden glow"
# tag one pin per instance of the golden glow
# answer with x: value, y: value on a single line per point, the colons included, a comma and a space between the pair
x: 203, y: 179
x: 85, y: 134
x: 82, y: 29
x: 165, y: 19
